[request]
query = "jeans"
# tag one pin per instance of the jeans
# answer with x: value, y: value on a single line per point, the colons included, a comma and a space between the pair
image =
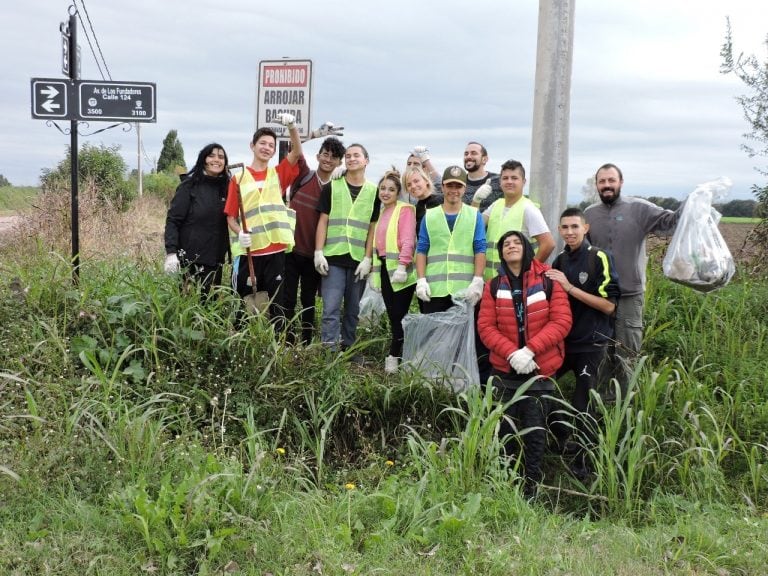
x: 340, y: 285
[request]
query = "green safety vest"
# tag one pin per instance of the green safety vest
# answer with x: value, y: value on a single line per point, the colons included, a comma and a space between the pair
x: 451, y: 257
x: 267, y: 217
x: 500, y: 223
x: 393, y: 253
x: 349, y: 221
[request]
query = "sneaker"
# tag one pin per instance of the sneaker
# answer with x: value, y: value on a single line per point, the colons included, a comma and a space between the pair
x: 390, y: 364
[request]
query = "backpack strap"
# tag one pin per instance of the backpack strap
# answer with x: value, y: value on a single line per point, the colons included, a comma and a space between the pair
x: 494, y: 286
x: 299, y: 183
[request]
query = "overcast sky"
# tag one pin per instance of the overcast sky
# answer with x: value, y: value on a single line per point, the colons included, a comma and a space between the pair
x: 646, y: 89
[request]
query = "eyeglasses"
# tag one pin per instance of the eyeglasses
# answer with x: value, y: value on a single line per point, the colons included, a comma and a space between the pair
x: 327, y: 156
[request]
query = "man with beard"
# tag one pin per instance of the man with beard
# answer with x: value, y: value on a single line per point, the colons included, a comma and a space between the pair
x: 620, y: 225
x: 482, y: 186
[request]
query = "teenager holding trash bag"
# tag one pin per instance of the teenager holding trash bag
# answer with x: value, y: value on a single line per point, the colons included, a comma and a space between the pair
x: 394, y: 239
x: 270, y: 224
x: 195, y: 227
x: 524, y: 319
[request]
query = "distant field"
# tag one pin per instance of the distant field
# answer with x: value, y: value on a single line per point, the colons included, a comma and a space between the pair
x: 14, y: 198
x: 739, y: 220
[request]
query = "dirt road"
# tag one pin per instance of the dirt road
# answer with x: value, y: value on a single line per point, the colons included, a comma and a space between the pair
x: 8, y: 222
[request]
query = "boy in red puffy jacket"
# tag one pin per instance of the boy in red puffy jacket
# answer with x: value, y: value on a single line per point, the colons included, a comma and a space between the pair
x: 524, y: 319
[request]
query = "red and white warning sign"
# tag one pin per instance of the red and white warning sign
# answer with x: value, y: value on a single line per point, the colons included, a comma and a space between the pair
x: 284, y: 86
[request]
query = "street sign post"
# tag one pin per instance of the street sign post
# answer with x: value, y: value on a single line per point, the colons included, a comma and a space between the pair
x: 50, y: 98
x: 284, y: 86
x: 116, y: 101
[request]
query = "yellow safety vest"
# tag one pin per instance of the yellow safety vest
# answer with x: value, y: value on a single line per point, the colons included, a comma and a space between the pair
x: 393, y: 252
x: 500, y: 223
x: 451, y: 257
x: 267, y: 217
x: 349, y: 220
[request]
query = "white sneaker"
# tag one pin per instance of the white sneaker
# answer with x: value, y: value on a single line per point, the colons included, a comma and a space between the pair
x: 391, y: 364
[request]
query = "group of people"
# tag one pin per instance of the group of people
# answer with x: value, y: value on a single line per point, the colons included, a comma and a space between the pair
x: 469, y: 234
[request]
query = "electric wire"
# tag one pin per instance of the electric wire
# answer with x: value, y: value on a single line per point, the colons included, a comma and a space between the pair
x: 90, y: 45
x: 96, y: 40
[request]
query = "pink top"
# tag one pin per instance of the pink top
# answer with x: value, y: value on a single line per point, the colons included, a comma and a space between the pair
x: 406, y: 234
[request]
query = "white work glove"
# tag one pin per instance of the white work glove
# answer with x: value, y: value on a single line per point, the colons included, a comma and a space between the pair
x: 423, y: 292
x: 483, y: 191
x: 531, y: 367
x: 327, y: 129
x: 421, y: 152
x: 363, y: 269
x: 475, y: 290
x: 244, y: 238
x: 399, y: 275
x: 521, y: 361
x: 287, y: 120
x: 321, y: 264
x: 171, y: 265
x: 338, y: 172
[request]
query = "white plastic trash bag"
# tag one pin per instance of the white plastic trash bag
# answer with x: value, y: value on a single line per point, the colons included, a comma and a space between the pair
x: 441, y: 346
x: 371, y: 307
x: 697, y: 255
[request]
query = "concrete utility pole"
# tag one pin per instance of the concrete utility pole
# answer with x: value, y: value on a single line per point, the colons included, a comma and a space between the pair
x: 138, y: 158
x: 552, y: 109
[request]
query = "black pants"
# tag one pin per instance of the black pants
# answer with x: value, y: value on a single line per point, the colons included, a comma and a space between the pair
x: 206, y: 276
x: 482, y: 353
x: 397, y: 304
x: 529, y: 412
x: 300, y: 271
x: 436, y: 304
x: 585, y: 367
x: 268, y: 270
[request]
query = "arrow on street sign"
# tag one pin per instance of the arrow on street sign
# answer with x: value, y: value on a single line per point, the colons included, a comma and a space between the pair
x: 49, y: 106
x: 49, y: 92
x: 50, y: 98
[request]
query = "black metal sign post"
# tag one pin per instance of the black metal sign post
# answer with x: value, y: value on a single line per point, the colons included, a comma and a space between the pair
x: 86, y: 100
x: 74, y: 66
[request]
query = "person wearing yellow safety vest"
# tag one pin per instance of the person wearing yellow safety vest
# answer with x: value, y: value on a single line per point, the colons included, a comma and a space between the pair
x: 270, y: 223
x: 513, y: 212
x: 394, y: 239
x: 450, y: 252
x: 349, y: 208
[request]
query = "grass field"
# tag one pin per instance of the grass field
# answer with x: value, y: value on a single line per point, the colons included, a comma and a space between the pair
x: 13, y: 198
x: 739, y: 220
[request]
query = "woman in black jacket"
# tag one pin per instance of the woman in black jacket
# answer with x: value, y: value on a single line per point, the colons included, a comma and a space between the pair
x: 196, y: 238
